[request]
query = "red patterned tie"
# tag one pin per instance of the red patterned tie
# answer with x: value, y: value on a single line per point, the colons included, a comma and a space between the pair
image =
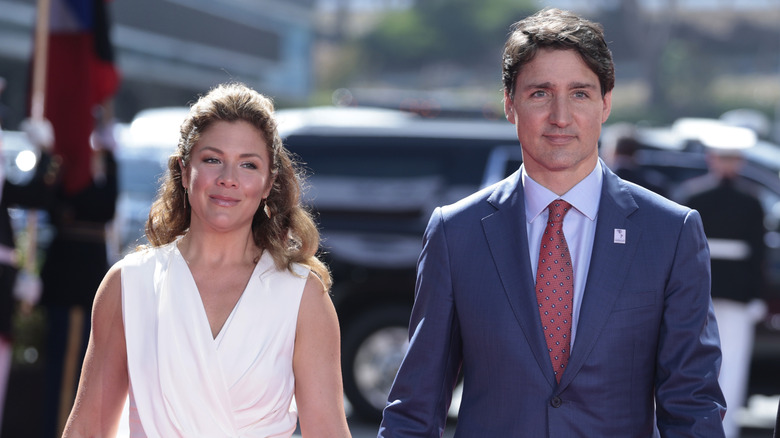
x: 555, y: 287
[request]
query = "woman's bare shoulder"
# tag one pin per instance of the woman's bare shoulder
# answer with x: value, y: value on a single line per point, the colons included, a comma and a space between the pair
x: 108, y: 298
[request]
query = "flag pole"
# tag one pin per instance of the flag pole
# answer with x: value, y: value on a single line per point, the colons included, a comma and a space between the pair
x: 37, y: 106
x: 41, y: 53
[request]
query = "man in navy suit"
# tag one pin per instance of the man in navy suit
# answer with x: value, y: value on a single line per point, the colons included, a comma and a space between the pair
x: 634, y: 348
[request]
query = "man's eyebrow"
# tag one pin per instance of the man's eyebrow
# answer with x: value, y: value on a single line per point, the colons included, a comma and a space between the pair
x: 538, y: 85
x: 571, y: 86
x: 587, y: 85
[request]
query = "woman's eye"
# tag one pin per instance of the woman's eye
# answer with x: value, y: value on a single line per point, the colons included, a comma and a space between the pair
x: 249, y: 165
x: 211, y: 160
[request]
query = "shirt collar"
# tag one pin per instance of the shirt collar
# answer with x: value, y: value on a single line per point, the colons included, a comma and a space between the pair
x: 584, y: 196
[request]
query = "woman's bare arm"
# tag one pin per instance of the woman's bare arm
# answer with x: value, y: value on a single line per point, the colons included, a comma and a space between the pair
x: 103, y: 386
x: 317, y: 366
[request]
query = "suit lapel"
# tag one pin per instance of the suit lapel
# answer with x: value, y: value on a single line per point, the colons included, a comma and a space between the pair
x: 608, y: 268
x: 505, y: 231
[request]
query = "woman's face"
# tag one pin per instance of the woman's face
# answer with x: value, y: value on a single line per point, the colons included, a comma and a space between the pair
x: 228, y: 176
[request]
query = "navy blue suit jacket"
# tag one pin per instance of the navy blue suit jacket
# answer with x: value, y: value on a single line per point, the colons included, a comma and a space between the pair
x: 646, y: 358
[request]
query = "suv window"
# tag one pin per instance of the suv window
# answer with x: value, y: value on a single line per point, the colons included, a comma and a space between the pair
x: 395, y: 182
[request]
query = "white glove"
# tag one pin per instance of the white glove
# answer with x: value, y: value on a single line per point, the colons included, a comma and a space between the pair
x: 757, y: 309
x: 39, y: 132
x: 103, y: 137
x: 27, y: 288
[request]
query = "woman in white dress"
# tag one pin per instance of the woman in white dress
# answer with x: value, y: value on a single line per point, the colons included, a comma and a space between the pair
x: 216, y: 326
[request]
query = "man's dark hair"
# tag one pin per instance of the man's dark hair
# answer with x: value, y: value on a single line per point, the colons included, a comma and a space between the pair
x: 559, y: 30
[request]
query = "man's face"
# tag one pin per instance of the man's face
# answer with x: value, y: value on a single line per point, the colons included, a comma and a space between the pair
x: 558, y: 111
x: 725, y: 166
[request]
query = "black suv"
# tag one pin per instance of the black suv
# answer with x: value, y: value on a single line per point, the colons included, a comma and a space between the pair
x: 375, y: 176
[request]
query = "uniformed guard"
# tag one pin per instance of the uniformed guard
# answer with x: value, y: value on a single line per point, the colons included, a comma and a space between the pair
x: 734, y: 224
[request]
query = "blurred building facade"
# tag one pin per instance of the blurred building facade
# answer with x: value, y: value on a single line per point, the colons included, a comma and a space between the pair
x: 168, y: 51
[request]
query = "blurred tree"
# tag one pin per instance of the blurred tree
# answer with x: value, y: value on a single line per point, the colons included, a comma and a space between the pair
x: 456, y: 32
x: 686, y: 74
x: 680, y: 52
x: 649, y: 39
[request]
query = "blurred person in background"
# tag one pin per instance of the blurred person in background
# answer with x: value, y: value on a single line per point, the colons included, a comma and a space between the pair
x: 11, y: 290
x: 18, y: 285
x: 225, y: 317
x: 734, y: 225
x: 611, y: 333
x: 76, y: 261
x: 625, y: 165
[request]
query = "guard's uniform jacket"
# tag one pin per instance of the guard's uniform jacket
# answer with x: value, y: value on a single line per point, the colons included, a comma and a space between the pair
x: 734, y: 224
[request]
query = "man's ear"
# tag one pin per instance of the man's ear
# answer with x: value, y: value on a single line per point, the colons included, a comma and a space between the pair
x: 509, y: 109
x: 607, y: 106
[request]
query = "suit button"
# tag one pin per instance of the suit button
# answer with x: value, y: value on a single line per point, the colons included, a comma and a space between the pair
x: 556, y: 402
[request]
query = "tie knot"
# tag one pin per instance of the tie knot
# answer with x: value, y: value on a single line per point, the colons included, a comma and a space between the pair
x: 558, y: 210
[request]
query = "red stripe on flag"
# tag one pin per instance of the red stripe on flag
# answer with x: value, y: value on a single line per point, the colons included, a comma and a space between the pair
x: 77, y: 80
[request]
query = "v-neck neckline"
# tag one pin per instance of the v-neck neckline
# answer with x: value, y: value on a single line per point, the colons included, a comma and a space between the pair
x: 217, y: 339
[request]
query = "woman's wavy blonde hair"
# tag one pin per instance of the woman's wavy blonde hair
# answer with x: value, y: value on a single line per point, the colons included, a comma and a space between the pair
x: 290, y: 235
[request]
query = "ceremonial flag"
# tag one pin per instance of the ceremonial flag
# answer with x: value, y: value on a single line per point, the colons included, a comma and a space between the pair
x: 80, y: 74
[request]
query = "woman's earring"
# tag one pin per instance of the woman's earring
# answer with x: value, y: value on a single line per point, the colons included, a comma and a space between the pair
x: 266, y: 210
x: 185, y: 199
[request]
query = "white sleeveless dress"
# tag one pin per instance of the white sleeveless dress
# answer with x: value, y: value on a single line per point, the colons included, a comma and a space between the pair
x: 185, y: 383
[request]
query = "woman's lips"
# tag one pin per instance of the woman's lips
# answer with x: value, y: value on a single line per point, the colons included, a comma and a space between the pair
x: 225, y: 201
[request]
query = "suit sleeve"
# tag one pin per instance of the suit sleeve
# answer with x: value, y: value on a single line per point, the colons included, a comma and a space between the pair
x: 422, y: 391
x: 689, y: 402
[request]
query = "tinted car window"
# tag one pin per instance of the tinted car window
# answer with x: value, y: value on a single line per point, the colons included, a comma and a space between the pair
x: 395, y: 180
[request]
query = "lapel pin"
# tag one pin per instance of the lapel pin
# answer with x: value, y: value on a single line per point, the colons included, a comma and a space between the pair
x: 620, y: 235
